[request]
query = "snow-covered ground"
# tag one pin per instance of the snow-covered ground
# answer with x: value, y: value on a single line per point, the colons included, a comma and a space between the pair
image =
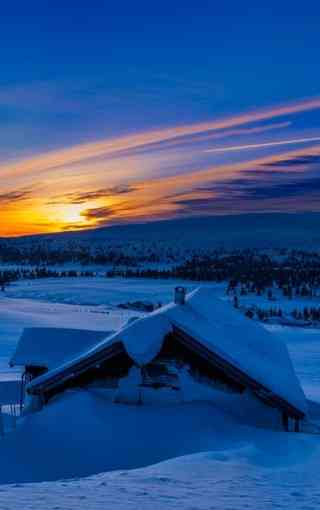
x: 232, y: 479
x: 215, y: 461
x: 97, y: 291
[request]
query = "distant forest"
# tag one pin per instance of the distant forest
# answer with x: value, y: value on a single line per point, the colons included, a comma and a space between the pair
x: 296, y: 272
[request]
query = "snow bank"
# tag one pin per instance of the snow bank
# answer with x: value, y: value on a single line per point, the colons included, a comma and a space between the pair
x: 81, y: 433
x: 243, y: 477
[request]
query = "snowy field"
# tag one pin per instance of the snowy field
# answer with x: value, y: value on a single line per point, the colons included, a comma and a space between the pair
x: 190, y: 456
x: 95, y: 291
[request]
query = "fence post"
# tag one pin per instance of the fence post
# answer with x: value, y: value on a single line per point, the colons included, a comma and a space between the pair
x: 285, y: 421
x: 1, y: 423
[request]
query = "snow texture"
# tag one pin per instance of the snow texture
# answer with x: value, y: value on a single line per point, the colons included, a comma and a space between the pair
x: 49, y: 347
x: 243, y: 477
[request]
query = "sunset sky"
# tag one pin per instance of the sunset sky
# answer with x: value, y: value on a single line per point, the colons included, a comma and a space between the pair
x: 116, y: 112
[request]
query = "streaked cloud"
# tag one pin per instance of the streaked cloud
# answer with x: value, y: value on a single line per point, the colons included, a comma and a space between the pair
x: 15, y: 196
x: 83, y: 197
x: 167, y: 172
x: 308, y: 159
x: 111, y: 146
x: 251, y: 146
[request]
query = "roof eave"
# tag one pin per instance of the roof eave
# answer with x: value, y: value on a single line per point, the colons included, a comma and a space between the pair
x: 56, y: 380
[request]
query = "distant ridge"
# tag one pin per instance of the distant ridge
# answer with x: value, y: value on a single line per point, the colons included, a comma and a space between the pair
x: 261, y: 230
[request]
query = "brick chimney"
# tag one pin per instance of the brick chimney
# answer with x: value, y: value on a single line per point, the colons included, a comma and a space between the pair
x: 180, y: 295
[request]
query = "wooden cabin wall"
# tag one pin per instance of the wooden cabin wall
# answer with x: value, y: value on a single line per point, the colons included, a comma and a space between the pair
x: 200, y: 369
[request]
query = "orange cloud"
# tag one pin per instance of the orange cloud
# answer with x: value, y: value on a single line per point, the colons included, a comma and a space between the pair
x: 159, y: 198
x: 80, y: 187
x: 149, y: 199
x: 83, y: 152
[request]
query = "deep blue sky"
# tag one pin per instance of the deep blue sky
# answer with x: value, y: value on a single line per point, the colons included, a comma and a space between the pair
x: 145, y: 63
x: 80, y: 72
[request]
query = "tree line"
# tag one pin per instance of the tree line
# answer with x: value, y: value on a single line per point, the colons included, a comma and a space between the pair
x: 295, y: 273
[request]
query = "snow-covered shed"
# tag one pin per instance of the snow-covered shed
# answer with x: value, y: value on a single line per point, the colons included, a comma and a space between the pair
x: 216, y: 342
x: 42, y: 349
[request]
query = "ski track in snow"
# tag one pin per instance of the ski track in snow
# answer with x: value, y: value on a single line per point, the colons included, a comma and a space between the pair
x: 261, y: 470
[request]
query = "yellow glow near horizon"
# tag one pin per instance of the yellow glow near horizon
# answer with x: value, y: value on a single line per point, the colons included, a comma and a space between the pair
x: 70, y: 214
x: 150, y: 199
x: 37, y: 218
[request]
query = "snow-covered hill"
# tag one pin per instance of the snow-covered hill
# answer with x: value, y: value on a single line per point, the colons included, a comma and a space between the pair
x: 231, y: 231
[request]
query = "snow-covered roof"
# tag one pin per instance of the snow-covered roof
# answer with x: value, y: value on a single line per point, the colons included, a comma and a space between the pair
x: 50, y: 347
x: 215, y: 324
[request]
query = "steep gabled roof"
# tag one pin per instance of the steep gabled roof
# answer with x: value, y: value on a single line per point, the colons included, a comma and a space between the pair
x: 242, y: 343
x: 50, y: 347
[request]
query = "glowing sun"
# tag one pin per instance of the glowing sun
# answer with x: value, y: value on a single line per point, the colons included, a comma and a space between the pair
x: 70, y: 214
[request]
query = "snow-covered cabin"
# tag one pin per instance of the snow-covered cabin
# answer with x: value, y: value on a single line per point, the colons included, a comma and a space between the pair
x: 197, y: 334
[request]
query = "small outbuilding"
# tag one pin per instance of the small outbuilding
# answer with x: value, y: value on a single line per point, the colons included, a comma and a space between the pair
x: 197, y: 334
x: 40, y: 350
